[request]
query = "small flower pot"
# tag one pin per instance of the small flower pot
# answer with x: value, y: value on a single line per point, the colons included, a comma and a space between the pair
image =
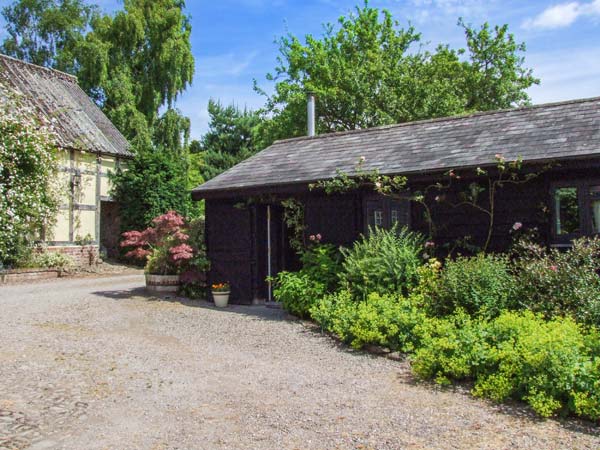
x: 221, y: 299
x: 162, y: 283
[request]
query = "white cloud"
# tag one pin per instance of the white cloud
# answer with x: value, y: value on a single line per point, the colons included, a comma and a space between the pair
x: 563, y: 14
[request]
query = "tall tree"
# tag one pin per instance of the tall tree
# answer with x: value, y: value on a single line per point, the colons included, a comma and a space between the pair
x: 229, y: 140
x: 368, y: 71
x: 133, y: 63
x: 47, y: 32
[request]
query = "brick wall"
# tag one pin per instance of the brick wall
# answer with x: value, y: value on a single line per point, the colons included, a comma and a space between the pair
x: 82, y: 255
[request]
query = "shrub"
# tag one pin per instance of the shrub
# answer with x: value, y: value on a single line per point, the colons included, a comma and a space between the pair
x: 550, y: 365
x: 322, y: 264
x: 385, y: 262
x: 29, y: 197
x: 297, y: 292
x: 452, y: 348
x: 556, y: 282
x: 164, y: 245
x: 384, y: 320
x: 481, y: 285
x: 47, y: 260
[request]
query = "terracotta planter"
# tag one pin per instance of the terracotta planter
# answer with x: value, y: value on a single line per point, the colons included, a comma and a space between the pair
x: 221, y: 299
x: 162, y: 283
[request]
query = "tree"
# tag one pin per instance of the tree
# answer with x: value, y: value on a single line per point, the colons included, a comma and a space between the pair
x: 29, y: 196
x: 47, y: 32
x: 138, y: 61
x: 153, y: 182
x: 229, y: 140
x: 367, y: 71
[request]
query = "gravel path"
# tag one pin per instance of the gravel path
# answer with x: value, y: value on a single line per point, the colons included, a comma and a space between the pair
x: 96, y: 364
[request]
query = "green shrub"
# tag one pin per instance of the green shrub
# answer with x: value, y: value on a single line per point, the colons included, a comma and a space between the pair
x: 556, y: 282
x: 48, y: 260
x: 322, y: 263
x: 452, y: 348
x: 481, y: 285
x: 550, y: 365
x: 297, y: 292
x: 385, y: 262
x: 389, y: 321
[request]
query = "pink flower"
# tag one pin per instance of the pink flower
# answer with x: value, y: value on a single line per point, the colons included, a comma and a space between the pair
x: 312, y: 237
x: 517, y: 226
x: 429, y: 244
x: 553, y: 268
x: 452, y: 174
x: 319, y: 237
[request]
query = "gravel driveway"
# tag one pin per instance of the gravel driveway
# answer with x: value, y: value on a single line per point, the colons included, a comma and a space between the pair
x: 96, y: 364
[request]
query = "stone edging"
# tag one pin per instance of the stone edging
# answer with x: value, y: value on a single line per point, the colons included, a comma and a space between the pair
x: 18, y: 275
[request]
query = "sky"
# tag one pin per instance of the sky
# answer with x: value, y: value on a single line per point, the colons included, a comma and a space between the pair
x: 233, y: 41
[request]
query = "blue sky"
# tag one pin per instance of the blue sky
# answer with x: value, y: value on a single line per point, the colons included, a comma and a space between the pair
x: 233, y: 41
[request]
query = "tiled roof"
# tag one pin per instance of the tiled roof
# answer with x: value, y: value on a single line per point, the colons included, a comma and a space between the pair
x: 79, y: 123
x: 536, y: 133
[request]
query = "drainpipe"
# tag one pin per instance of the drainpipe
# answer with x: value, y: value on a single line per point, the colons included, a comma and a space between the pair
x: 311, y: 114
x: 269, y: 265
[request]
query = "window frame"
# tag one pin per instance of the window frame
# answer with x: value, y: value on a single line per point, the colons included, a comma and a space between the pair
x: 586, y: 227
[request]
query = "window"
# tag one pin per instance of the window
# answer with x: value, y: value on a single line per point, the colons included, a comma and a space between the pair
x: 576, y: 210
x: 567, y: 211
x: 594, y: 194
x: 384, y: 212
x: 395, y: 216
x: 378, y: 218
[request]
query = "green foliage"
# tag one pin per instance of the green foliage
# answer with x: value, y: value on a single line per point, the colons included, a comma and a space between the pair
x: 322, y: 263
x: 385, y: 320
x: 150, y: 185
x: 229, y: 140
x: 51, y: 260
x: 384, y: 261
x: 452, y: 348
x: 297, y: 292
x: 550, y: 365
x: 293, y: 216
x: 367, y: 71
x: 481, y: 285
x: 29, y: 196
x: 556, y: 282
x: 47, y: 32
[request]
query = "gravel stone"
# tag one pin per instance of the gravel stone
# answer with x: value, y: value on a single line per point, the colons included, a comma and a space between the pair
x: 96, y: 363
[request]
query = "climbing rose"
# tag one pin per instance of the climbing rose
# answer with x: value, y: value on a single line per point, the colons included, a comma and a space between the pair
x: 517, y: 226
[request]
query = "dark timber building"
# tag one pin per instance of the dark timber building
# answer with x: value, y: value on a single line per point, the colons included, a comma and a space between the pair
x: 563, y: 202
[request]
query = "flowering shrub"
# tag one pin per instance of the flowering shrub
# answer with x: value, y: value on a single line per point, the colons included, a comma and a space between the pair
x: 480, y: 285
x: 28, y: 167
x: 556, y: 282
x: 164, y: 245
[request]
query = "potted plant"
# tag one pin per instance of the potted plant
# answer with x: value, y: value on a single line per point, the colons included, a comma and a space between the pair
x: 220, y: 292
x: 164, y: 247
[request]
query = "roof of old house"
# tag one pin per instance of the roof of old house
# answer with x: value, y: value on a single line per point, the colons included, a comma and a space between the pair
x: 79, y: 123
x: 537, y: 133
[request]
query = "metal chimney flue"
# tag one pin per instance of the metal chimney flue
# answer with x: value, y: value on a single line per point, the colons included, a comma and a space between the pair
x: 311, y: 114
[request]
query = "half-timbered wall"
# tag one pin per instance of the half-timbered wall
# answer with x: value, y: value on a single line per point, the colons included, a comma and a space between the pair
x: 84, y: 185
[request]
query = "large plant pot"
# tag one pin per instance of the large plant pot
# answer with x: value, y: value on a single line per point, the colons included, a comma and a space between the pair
x: 162, y: 283
x: 221, y: 299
